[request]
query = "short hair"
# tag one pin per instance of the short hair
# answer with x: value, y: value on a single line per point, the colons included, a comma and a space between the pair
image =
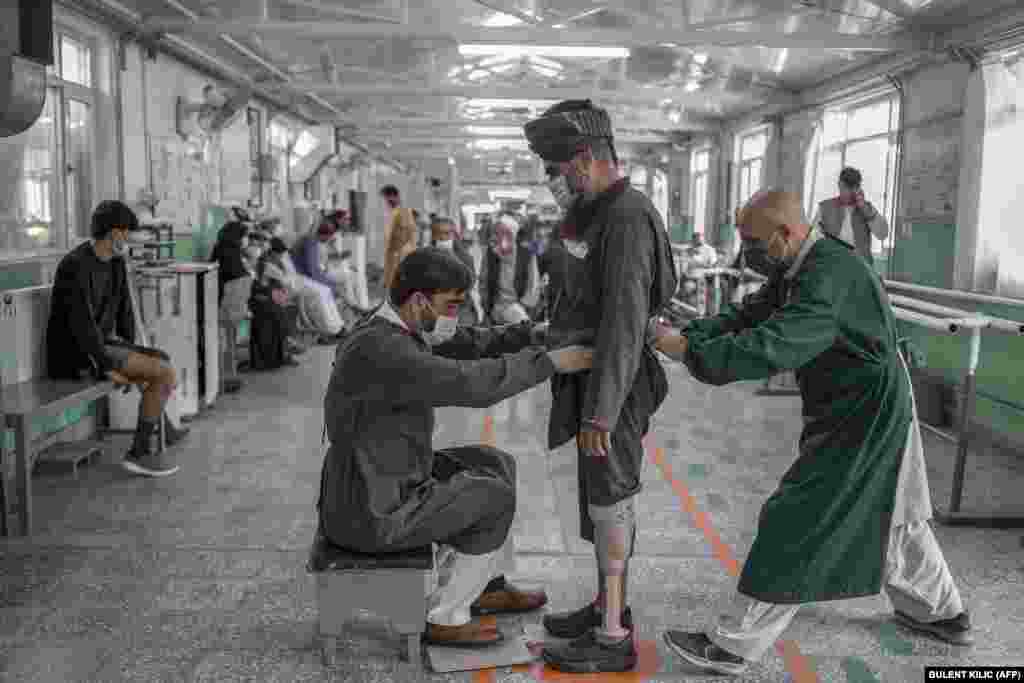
x: 111, y: 214
x: 850, y: 177
x: 429, y: 270
x: 389, y: 191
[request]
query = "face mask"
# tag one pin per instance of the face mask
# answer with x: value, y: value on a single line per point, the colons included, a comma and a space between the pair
x: 446, y: 244
x: 441, y: 329
x: 757, y: 258
x: 564, y: 196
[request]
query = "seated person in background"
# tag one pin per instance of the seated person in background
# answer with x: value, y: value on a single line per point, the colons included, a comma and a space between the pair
x: 272, y: 320
x: 229, y: 253
x: 701, y: 255
x: 510, y: 281
x: 383, y: 487
x: 277, y: 267
x: 442, y: 236
x: 91, y: 330
x: 310, y: 259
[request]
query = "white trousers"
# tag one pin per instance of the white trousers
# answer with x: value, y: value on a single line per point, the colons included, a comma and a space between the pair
x: 509, y: 314
x: 318, y: 305
x: 917, y: 581
x: 463, y: 580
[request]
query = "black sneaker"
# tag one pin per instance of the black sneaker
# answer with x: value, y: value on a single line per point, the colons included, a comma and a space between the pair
x: 956, y: 630
x: 697, y: 649
x: 577, y: 623
x: 589, y: 654
x: 149, y: 464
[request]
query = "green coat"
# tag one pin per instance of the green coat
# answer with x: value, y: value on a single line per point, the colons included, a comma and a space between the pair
x: 823, y: 534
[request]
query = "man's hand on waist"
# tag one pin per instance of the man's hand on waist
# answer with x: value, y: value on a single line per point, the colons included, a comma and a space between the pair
x: 594, y: 438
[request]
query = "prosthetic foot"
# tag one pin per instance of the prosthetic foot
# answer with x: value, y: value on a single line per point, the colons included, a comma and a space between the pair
x: 143, y: 457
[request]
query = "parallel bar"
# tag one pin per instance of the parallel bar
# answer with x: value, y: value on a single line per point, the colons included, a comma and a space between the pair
x: 954, y: 294
x: 925, y: 320
x: 814, y: 39
x: 1009, y: 326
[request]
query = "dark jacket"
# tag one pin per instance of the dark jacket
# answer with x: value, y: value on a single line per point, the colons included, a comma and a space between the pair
x: 227, y: 253
x: 554, y: 263
x: 75, y: 331
x: 626, y: 277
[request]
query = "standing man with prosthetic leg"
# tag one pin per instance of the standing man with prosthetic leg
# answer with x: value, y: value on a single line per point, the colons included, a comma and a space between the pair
x: 851, y: 515
x: 620, y: 274
x: 91, y: 331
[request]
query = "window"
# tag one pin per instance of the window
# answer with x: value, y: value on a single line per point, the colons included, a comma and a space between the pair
x: 750, y: 165
x: 48, y: 201
x: 700, y: 165
x: 864, y: 136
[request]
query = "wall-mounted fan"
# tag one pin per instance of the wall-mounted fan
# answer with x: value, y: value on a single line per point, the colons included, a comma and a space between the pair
x: 213, y: 114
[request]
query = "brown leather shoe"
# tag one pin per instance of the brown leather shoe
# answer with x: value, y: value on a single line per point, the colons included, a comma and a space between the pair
x: 473, y: 634
x: 509, y: 600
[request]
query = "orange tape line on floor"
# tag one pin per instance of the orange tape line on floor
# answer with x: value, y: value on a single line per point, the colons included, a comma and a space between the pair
x: 799, y: 666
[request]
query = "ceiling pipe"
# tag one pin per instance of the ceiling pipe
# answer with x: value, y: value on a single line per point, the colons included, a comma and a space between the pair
x: 634, y: 95
x: 246, y: 52
x: 339, y: 11
x: 811, y: 38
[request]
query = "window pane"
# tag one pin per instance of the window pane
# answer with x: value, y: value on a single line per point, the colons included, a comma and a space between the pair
x: 75, y: 62
x: 701, y: 161
x: 871, y: 157
x: 834, y: 127
x: 826, y: 184
x: 78, y: 133
x: 28, y: 187
x: 638, y: 177
x: 699, y: 201
x: 872, y: 119
x: 753, y: 146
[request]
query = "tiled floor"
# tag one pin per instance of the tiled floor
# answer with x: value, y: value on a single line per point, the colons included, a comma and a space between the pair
x: 200, y: 577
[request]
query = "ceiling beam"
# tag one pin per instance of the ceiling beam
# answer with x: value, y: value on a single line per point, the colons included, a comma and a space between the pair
x: 635, y: 95
x: 311, y: 30
x: 895, y: 7
x: 340, y: 11
x: 405, y: 138
x: 522, y: 16
x: 656, y: 123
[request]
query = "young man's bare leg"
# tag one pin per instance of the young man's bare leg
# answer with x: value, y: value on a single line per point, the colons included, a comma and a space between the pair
x: 157, y: 380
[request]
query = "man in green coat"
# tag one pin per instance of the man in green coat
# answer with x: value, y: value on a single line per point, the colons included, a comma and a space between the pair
x: 851, y: 515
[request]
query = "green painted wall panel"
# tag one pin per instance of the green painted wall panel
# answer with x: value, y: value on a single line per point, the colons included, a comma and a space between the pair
x: 19, y: 275
x: 926, y: 256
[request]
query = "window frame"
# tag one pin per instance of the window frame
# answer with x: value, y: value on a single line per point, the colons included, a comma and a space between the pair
x: 700, y: 221
x: 69, y: 90
x: 890, y: 184
x: 743, y: 166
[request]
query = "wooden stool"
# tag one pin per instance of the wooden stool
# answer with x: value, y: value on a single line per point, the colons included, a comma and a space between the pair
x: 392, y: 585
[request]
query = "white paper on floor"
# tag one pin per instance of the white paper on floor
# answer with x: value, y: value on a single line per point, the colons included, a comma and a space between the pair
x: 510, y: 652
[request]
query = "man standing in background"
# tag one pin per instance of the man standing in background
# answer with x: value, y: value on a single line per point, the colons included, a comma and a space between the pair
x: 850, y: 217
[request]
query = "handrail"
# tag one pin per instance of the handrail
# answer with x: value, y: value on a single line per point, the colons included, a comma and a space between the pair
x: 937, y: 324
x: 954, y: 294
x: 999, y: 324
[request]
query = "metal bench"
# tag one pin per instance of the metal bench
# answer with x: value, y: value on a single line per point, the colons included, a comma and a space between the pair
x: 391, y: 585
x: 21, y: 405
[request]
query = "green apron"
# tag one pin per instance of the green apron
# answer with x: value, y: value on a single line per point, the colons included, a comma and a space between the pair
x: 823, y: 534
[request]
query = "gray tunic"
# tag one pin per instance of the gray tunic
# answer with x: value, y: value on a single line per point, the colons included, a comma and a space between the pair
x: 620, y: 273
x: 380, y: 489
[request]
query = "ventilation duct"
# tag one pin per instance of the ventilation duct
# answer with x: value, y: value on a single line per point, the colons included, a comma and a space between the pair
x: 26, y: 49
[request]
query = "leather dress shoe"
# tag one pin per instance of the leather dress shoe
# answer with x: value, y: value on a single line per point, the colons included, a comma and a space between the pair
x: 473, y: 634
x: 508, y: 600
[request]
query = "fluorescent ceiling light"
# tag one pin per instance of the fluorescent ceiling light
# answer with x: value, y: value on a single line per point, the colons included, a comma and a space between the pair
x: 510, y: 193
x: 692, y: 86
x: 494, y: 130
x: 493, y: 144
x: 477, y: 74
x: 500, y: 20
x: 509, y: 103
x: 451, y: 161
x: 507, y: 66
x: 558, y: 26
x: 471, y: 49
x: 700, y: 58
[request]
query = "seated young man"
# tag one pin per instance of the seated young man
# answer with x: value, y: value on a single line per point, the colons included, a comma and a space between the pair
x: 91, y: 331
x: 383, y: 487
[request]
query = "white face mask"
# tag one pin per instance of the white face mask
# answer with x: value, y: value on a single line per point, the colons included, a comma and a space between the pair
x: 444, y: 329
x: 559, y: 186
x: 446, y: 244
